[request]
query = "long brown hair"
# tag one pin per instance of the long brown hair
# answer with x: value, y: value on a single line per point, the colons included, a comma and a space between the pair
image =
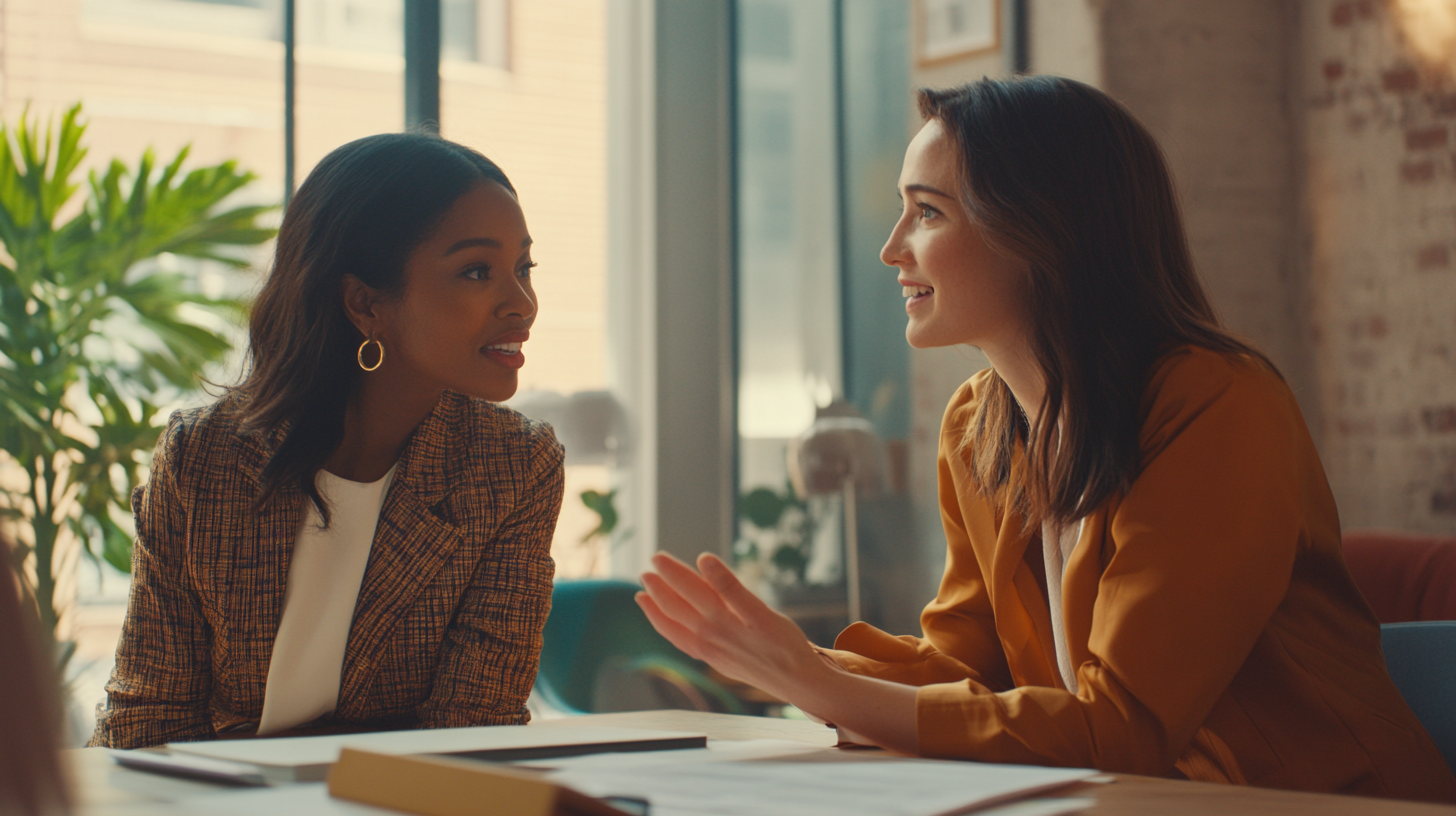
x: 361, y: 211
x: 1060, y: 176
x: 31, y: 781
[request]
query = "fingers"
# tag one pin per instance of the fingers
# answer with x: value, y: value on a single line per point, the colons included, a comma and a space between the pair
x: 691, y: 587
x: 738, y: 597
x: 676, y: 634
x: 670, y: 603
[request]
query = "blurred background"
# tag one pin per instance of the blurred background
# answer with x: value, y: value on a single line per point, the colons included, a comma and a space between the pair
x: 709, y: 182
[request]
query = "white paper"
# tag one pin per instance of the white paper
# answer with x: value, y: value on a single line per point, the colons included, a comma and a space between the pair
x: 717, y: 751
x: 809, y: 788
x: 299, y: 752
x: 293, y: 800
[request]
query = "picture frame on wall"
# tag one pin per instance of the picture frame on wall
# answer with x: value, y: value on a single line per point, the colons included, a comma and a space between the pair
x: 951, y: 30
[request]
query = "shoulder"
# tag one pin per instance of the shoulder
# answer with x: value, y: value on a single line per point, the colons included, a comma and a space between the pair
x: 200, y: 432
x: 503, y: 433
x: 961, y: 410
x: 1197, y: 385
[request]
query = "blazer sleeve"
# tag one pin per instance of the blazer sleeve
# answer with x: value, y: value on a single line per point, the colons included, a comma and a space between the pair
x: 493, y: 646
x: 159, y: 690
x: 960, y: 628
x: 1205, y: 542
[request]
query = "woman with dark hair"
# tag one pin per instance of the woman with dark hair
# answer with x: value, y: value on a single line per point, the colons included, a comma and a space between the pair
x: 355, y: 537
x: 1144, y: 571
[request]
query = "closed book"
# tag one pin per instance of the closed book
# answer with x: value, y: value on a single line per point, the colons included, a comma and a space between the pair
x: 443, y: 786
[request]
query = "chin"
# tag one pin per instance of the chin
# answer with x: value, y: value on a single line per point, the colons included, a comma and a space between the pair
x: 492, y: 392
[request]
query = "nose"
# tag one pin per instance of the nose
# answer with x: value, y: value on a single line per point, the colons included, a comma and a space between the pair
x: 894, y: 252
x: 520, y: 301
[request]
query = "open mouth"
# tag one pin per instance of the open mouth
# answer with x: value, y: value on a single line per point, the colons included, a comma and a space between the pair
x: 507, y: 354
x: 916, y: 294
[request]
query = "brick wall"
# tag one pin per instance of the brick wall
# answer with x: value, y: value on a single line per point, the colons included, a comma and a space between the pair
x: 1381, y: 199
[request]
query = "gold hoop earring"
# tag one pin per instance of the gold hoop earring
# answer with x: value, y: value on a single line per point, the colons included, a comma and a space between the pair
x: 365, y: 345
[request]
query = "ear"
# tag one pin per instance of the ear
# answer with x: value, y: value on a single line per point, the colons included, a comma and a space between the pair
x: 363, y: 304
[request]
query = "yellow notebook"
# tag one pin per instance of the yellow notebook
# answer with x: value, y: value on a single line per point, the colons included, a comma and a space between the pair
x: 441, y: 786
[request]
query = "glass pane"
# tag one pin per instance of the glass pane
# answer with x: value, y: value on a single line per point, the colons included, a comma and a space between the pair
x: 788, y: 304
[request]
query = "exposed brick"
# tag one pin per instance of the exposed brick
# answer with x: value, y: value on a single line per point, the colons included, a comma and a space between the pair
x: 1418, y: 172
x: 1355, y: 427
x: 1443, y: 502
x: 1334, y: 69
x: 1378, y: 328
x: 1365, y: 9
x: 1434, y: 256
x: 1439, y: 419
x: 1400, y: 80
x: 1445, y: 104
x: 1342, y: 14
x: 1426, y: 138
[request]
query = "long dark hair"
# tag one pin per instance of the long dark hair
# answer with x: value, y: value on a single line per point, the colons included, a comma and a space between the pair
x: 1060, y: 176
x: 361, y: 211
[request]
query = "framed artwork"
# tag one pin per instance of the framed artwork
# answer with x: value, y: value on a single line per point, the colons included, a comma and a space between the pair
x: 950, y: 30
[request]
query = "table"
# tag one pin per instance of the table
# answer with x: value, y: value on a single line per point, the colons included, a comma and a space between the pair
x: 105, y: 789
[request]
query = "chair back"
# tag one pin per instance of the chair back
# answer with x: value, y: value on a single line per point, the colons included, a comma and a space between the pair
x: 596, y: 631
x: 1421, y: 657
x: 1404, y: 576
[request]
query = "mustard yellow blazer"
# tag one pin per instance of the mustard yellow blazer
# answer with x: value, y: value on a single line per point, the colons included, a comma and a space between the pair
x: 1208, y: 613
x: 447, y: 627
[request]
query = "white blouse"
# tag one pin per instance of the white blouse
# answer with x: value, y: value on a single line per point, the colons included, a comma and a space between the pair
x: 1057, y: 544
x: 318, y: 602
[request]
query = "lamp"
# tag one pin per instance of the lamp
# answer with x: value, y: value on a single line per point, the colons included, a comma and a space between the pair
x: 840, y: 453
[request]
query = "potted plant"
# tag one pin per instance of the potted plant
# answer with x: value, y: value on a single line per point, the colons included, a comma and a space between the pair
x: 93, y: 339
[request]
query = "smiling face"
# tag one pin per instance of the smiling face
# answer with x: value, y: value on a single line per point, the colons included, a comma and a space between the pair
x: 467, y: 303
x: 958, y: 289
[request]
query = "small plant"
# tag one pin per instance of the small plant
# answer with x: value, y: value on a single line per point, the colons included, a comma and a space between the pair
x: 91, y: 338
x: 782, y: 525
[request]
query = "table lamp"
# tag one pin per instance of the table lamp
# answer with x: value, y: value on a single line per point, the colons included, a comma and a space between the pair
x: 840, y: 453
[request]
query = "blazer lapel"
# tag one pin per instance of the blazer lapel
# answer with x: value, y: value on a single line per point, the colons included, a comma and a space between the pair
x: 259, y: 574
x: 1023, y: 619
x: 411, y: 544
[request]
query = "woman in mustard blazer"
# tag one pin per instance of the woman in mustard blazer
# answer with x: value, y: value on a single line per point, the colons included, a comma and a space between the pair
x: 355, y: 537
x: 1144, y: 571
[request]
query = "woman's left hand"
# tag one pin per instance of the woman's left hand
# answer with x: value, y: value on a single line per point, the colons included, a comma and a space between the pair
x: 713, y: 617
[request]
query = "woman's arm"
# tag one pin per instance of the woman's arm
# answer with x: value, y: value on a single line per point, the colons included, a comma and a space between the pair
x: 160, y: 688
x: 1205, y: 543
x: 493, y: 646
x: 714, y: 618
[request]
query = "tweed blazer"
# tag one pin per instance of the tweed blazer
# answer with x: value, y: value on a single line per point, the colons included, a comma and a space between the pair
x: 447, y: 626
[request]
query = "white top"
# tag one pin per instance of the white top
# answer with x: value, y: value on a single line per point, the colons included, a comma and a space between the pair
x: 318, y: 603
x: 1056, y: 547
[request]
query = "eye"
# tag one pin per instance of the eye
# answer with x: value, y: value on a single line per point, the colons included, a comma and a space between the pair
x: 525, y: 271
x: 927, y: 212
x: 478, y: 272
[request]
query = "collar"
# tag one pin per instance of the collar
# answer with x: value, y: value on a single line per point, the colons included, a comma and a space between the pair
x: 431, y: 464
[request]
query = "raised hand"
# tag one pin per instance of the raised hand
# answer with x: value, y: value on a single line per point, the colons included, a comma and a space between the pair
x: 713, y: 617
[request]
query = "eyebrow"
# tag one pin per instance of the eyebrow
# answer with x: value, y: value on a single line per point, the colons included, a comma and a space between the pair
x: 926, y: 188
x: 492, y: 243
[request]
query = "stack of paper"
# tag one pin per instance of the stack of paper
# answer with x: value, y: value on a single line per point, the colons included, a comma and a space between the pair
x: 307, y: 759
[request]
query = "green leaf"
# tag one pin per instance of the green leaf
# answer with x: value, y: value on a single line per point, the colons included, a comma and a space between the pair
x: 762, y: 507
x: 604, y: 505
x: 87, y: 426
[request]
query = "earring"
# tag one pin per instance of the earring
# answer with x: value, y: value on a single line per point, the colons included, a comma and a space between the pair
x: 365, y: 345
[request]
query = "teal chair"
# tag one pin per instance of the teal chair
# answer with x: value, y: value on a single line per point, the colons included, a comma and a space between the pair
x: 597, y: 636
x: 1421, y: 657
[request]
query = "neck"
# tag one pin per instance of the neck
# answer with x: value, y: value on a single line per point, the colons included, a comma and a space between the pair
x: 378, y: 422
x: 1018, y: 368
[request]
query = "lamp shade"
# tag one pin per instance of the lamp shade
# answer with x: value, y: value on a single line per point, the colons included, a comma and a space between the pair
x: 591, y: 425
x: 840, y: 444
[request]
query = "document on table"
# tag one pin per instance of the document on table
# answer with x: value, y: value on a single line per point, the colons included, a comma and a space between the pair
x: 305, y: 759
x: 800, y: 788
